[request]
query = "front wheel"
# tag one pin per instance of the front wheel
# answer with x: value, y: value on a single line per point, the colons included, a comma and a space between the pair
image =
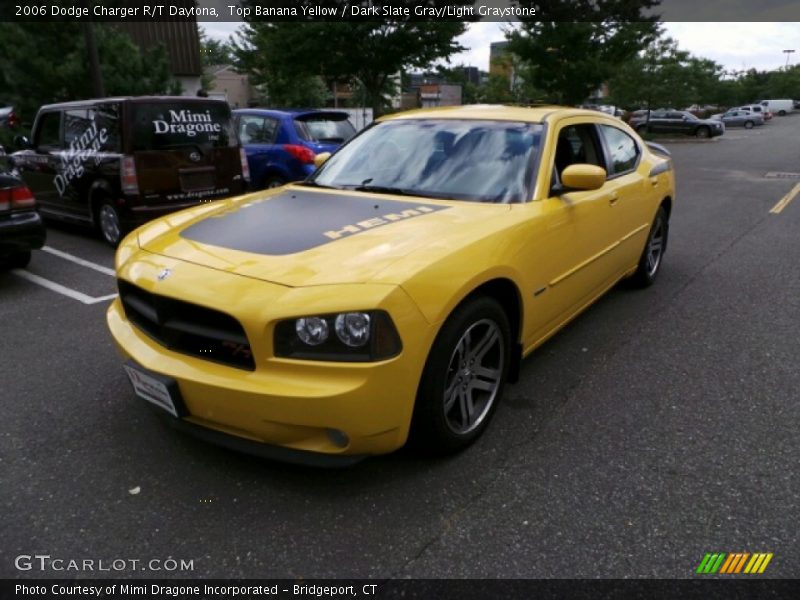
x: 463, y: 378
x: 703, y: 132
x: 748, y: 124
x: 273, y: 182
x: 653, y: 253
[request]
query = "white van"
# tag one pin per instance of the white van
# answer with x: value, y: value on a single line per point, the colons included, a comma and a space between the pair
x: 779, y: 107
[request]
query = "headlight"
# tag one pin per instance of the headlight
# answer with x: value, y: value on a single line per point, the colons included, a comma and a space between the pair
x: 360, y: 336
x: 353, y: 328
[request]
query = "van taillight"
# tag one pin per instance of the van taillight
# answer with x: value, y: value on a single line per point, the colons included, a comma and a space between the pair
x: 12, y: 120
x: 16, y: 197
x: 301, y: 153
x: 130, y: 185
x: 245, y: 166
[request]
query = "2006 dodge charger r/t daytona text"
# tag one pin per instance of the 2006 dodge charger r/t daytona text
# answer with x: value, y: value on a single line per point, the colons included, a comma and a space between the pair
x: 393, y: 293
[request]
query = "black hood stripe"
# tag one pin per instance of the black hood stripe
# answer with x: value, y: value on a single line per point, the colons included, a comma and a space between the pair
x: 297, y: 220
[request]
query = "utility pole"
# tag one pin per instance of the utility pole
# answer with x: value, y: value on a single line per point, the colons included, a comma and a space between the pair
x: 787, y: 53
x: 94, y: 60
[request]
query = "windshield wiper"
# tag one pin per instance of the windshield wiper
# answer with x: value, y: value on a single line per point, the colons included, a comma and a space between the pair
x: 318, y: 185
x: 382, y: 189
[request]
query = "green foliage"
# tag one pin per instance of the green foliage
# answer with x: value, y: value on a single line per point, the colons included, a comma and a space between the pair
x: 214, y: 52
x: 663, y: 75
x: 41, y: 63
x: 366, y: 55
x: 567, y: 61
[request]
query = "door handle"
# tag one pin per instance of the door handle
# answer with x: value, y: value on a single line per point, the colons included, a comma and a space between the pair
x: 654, y: 181
x: 612, y: 199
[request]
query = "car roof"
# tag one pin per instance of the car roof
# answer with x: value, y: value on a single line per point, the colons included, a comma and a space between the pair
x: 288, y: 112
x: 497, y: 112
x: 137, y: 99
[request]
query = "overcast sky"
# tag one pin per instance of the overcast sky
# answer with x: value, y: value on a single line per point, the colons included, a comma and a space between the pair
x: 735, y: 46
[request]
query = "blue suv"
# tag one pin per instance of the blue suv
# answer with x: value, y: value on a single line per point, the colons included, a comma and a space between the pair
x: 281, y: 144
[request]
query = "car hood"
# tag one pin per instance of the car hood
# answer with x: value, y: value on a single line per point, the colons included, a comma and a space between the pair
x: 298, y: 236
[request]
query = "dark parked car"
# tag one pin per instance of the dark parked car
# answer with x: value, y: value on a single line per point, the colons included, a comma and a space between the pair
x: 676, y: 122
x: 118, y: 162
x: 281, y: 144
x: 21, y: 228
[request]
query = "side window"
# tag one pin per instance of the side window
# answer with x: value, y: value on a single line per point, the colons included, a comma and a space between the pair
x: 622, y: 148
x: 577, y: 145
x: 77, y: 126
x: 106, y: 118
x: 256, y: 130
x: 48, y: 134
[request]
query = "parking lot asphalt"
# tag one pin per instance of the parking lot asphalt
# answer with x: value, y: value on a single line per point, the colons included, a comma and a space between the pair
x: 660, y: 425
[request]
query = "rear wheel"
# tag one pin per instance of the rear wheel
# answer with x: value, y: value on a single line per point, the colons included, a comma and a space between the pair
x: 463, y: 378
x: 108, y: 222
x: 782, y: 113
x: 653, y: 253
x: 703, y: 132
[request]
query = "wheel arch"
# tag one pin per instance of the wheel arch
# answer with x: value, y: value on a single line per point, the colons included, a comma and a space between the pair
x: 507, y: 294
x: 98, y: 189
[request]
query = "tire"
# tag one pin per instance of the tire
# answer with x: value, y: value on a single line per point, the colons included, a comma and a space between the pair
x: 653, y: 253
x: 467, y: 367
x: 18, y: 260
x: 781, y: 113
x: 272, y: 182
x: 748, y: 124
x: 108, y: 223
x: 703, y: 132
x: 641, y: 129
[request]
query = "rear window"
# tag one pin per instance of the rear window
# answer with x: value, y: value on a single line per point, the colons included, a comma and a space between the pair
x: 169, y: 125
x: 328, y: 128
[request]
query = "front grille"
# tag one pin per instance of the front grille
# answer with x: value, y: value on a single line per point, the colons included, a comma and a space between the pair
x: 187, y: 328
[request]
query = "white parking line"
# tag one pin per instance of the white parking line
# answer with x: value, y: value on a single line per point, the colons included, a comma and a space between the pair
x: 80, y: 261
x: 60, y: 289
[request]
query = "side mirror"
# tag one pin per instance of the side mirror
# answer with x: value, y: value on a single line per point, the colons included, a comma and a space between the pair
x: 21, y: 142
x: 320, y: 158
x: 583, y: 177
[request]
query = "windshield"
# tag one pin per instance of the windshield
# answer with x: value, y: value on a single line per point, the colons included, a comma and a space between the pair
x: 168, y: 125
x: 478, y: 161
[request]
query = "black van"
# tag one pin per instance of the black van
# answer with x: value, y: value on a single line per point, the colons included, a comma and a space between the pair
x: 118, y: 162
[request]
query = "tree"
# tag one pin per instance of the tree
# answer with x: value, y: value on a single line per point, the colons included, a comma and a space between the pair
x: 213, y: 51
x: 367, y: 55
x: 663, y: 75
x: 46, y: 62
x: 568, y: 60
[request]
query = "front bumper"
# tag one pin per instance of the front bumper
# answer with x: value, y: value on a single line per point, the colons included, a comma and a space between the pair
x: 285, y: 408
x: 20, y: 232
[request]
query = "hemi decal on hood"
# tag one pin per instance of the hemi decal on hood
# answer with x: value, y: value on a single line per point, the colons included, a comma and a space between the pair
x: 296, y: 220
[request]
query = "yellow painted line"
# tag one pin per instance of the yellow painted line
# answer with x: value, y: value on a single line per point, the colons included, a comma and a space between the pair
x: 784, y: 202
x: 749, y: 566
x: 765, y: 563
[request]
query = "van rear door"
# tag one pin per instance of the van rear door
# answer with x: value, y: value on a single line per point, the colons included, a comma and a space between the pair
x: 185, y: 151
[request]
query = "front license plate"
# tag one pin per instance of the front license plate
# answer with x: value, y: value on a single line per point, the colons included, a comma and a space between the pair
x: 157, y: 390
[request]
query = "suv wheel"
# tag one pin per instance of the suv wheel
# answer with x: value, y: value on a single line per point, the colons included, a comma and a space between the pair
x: 109, y: 224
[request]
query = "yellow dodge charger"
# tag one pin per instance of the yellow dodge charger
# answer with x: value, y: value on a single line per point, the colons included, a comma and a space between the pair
x: 392, y: 294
